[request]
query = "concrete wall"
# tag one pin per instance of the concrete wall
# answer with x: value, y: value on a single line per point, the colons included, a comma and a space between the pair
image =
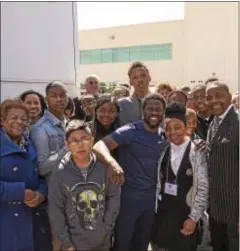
x: 144, y: 34
x: 205, y: 42
x: 211, y: 35
x: 38, y: 45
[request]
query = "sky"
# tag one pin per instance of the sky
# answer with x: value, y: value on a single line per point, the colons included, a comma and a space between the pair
x: 92, y: 15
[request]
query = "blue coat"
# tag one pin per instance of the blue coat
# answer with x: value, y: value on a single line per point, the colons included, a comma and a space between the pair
x: 21, y: 227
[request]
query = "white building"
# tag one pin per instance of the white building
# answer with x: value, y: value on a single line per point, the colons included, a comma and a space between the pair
x: 183, y: 52
x: 38, y: 45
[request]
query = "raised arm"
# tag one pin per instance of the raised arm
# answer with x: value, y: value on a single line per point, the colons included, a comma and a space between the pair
x: 122, y: 136
x: 103, y: 149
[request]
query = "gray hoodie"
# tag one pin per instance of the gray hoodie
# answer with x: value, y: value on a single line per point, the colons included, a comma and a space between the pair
x: 83, y: 209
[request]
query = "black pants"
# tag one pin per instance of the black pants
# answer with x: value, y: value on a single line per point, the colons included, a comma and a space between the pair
x: 224, y: 237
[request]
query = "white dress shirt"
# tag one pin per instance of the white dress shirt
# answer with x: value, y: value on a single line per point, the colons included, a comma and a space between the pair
x: 177, y: 152
x: 221, y: 117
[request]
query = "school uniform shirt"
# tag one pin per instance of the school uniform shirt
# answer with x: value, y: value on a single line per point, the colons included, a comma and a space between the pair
x: 198, y: 195
x: 177, y: 153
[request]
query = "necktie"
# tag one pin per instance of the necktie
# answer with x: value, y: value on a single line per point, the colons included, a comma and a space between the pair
x: 215, y: 126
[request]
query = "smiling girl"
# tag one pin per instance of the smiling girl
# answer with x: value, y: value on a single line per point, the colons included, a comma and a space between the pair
x: 183, y: 186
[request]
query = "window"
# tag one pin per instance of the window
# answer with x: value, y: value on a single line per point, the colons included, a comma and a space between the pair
x: 121, y: 55
x: 127, y: 54
x: 106, y: 56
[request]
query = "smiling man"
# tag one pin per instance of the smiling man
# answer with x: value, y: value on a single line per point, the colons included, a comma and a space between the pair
x: 140, y: 145
x: 223, y: 166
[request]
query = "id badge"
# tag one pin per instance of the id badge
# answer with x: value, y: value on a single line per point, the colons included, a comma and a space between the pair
x: 170, y: 189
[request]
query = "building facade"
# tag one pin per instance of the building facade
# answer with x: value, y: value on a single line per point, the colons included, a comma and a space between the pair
x: 182, y: 52
x: 38, y: 45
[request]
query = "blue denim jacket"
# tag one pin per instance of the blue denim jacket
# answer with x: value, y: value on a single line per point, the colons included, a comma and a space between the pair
x: 48, y: 136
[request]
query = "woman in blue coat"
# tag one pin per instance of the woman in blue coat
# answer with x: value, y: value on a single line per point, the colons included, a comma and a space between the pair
x: 24, y: 223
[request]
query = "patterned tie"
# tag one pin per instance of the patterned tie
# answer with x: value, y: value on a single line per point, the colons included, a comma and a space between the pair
x: 215, y: 126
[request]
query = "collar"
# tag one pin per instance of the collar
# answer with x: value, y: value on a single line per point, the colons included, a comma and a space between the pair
x: 221, y: 117
x: 8, y: 146
x: 176, y: 148
x: 55, y: 120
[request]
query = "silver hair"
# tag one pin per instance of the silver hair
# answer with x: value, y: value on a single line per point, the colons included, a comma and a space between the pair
x: 92, y: 76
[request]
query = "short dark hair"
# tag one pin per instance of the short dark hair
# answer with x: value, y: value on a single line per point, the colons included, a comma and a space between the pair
x: 75, y: 125
x: 40, y: 96
x: 180, y: 92
x: 154, y: 96
x: 219, y: 85
x: 55, y: 84
x: 135, y: 65
x: 107, y: 98
x: 185, y: 89
x: 210, y: 80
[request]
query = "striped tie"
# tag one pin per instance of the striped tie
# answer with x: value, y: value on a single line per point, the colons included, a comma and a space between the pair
x: 215, y: 126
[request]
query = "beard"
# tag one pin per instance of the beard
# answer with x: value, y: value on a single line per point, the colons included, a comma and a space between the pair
x: 150, y: 125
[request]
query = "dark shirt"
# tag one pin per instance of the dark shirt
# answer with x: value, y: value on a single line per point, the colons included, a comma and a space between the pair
x: 99, y: 132
x: 79, y: 113
x: 203, y: 125
x: 138, y: 155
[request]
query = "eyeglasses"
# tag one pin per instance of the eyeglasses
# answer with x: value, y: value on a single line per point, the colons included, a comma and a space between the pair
x: 83, y: 141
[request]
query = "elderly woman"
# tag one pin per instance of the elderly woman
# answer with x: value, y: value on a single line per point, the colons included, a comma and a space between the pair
x: 24, y: 223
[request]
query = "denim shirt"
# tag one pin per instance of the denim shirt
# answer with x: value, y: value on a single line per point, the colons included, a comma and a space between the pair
x: 48, y: 136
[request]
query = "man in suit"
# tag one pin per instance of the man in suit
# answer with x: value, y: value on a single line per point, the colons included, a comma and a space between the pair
x: 223, y: 162
x: 131, y: 107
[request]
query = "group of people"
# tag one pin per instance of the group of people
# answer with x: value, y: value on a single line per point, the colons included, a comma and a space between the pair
x: 118, y: 171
